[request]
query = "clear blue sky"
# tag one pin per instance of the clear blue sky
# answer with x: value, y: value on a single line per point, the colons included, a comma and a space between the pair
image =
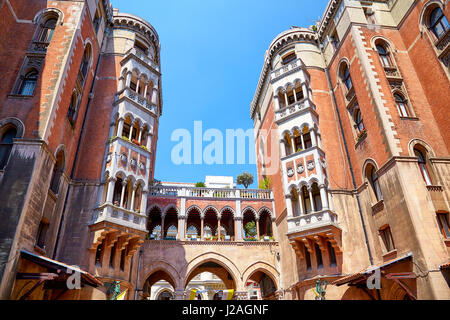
x: 212, y: 53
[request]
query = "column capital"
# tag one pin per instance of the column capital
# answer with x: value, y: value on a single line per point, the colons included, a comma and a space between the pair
x: 238, y: 218
x: 182, y: 217
x: 111, y: 179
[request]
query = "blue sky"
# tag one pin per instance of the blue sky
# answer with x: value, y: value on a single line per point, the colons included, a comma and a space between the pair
x: 212, y: 53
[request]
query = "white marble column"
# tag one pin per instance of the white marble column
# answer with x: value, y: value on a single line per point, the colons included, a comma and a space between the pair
x: 120, y: 127
x: 290, y: 213
x: 239, y: 230
x: 311, y: 200
x: 122, y: 196
x: 324, y: 197
x: 144, y: 201
x: 110, y: 194
x: 133, y: 194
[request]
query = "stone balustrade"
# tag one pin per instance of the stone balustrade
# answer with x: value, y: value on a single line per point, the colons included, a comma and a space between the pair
x: 312, y: 221
x: 216, y: 193
x: 294, y: 109
x: 121, y: 216
x: 143, y: 57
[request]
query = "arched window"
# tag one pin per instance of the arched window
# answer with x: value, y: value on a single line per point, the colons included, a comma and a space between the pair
x: 47, y: 30
x: 29, y: 83
x: 57, y: 172
x: 384, y: 56
x: 438, y: 22
x: 423, y: 166
x: 346, y: 77
x: 85, y: 63
x: 71, y: 113
x: 192, y: 231
x: 359, y: 124
x: 373, y: 181
x: 402, y: 105
x: 6, y: 144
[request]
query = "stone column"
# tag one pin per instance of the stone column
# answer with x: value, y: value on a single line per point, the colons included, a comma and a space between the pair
x: 120, y: 127
x: 283, y: 148
x: 324, y: 197
x: 179, y: 294
x: 137, y: 85
x: 145, y: 90
x: 144, y: 201
x: 276, y: 101
x: 155, y: 96
x: 300, y: 203
x: 305, y: 90
x: 311, y: 199
x: 313, y: 137
x: 149, y: 141
x: 303, y: 140
x: 295, y: 96
x: 202, y: 218
x: 239, y: 230
x: 141, y: 129
x: 122, y: 196
x: 286, y: 98
x: 110, y: 194
x: 290, y: 214
x: 131, y: 130
x: 257, y: 228
x: 293, y: 143
x: 163, y: 217
x: 133, y: 194
x: 128, y: 80
x: 330, y: 201
x: 181, y: 227
x: 218, y: 228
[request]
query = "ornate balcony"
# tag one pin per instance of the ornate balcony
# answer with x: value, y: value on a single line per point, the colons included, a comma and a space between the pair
x: 138, y: 100
x: 120, y: 216
x: 137, y: 165
x: 295, y: 109
x: 314, y: 227
x: 38, y: 47
x: 294, y: 168
x: 286, y: 70
x: 141, y: 58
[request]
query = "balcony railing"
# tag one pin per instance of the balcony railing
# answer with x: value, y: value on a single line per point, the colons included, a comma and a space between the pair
x: 121, y: 216
x: 143, y: 57
x: 311, y: 221
x: 39, y: 47
x: 136, y: 97
x: 286, y: 70
x: 293, y: 108
x: 216, y: 193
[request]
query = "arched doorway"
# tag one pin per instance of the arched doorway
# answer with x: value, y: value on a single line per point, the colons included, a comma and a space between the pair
x: 264, y: 283
x: 165, y: 294
x: 154, y: 224
x: 156, y: 284
x: 213, y: 277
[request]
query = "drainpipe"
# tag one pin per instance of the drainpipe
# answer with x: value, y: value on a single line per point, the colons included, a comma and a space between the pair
x: 90, y: 96
x: 327, y: 72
